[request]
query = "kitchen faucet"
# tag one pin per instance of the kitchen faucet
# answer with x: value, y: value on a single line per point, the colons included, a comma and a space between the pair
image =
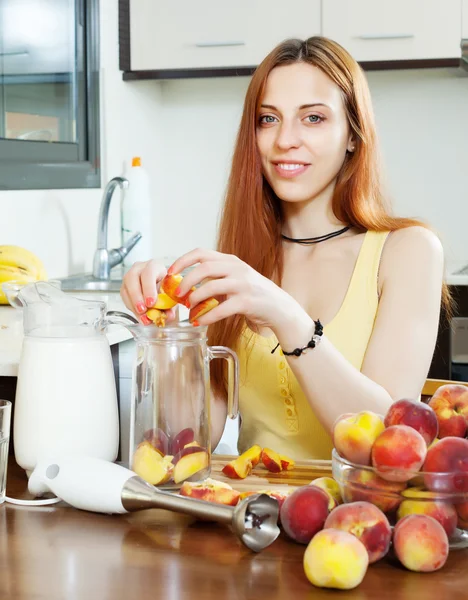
x: 105, y: 259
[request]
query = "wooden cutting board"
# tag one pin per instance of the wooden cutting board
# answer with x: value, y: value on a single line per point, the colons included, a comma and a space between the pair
x: 303, y: 473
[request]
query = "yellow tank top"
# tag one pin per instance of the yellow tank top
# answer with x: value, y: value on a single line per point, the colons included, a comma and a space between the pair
x: 274, y: 411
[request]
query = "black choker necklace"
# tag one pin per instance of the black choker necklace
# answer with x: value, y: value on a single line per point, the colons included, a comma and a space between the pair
x: 315, y: 240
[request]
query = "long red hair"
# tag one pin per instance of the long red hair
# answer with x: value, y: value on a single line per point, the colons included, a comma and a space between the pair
x: 251, y: 220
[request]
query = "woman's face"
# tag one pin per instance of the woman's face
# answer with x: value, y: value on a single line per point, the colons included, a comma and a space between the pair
x: 302, y: 131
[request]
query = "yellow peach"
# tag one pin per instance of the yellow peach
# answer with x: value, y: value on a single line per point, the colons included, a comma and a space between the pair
x: 331, y: 487
x: 353, y: 436
x: 335, y: 559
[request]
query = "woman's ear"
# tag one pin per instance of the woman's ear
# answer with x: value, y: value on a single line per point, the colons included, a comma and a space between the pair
x: 351, y: 144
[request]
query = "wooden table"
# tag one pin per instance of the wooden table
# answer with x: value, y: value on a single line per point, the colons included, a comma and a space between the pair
x: 60, y: 553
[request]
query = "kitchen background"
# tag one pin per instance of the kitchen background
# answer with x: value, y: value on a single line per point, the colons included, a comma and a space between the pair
x: 184, y: 130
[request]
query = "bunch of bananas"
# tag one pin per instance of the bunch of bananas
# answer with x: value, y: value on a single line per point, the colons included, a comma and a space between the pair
x: 19, y: 264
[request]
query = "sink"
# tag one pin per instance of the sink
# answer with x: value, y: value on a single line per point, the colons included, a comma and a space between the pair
x: 87, y: 283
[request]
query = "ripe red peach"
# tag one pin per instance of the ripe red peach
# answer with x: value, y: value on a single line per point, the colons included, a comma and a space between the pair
x: 335, y: 559
x: 420, y: 543
x: 450, y: 403
x: 446, y: 466
x: 415, y: 414
x: 422, y: 502
x: 211, y: 490
x: 398, y: 452
x: 366, y: 485
x: 367, y: 522
x: 304, y: 512
x: 354, y: 435
x: 462, y: 512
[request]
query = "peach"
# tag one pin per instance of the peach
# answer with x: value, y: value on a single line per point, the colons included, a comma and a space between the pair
x: 367, y: 522
x: 331, y: 488
x: 169, y: 285
x: 211, y: 490
x: 448, y: 461
x: 158, y: 439
x: 163, y: 302
x: 366, y: 485
x: 354, y: 435
x: 422, y: 502
x: 271, y: 460
x: 253, y: 454
x: 202, y: 308
x: 335, y: 559
x: 417, y: 415
x: 184, y: 437
x: 157, y: 316
x: 304, y: 513
x: 450, y: 404
x: 420, y: 543
x: 398, y: 452
x: 190, y: 464
x: 287, y: 464
x: 150, y: 465
x: 239, y: 468
x: 189, y: 449
x: 462, y: 513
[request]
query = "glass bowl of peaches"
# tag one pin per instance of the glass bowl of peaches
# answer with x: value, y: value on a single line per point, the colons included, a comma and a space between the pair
x: 399, y: 463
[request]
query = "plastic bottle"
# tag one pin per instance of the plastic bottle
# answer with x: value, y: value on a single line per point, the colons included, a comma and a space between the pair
x: 136, y: 213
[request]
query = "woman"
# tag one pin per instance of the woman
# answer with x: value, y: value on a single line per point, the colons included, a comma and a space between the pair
x: 305, y: 239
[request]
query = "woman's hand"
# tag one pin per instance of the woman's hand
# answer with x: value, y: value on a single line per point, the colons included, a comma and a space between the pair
x: 140, y: 287
x: 239, y: 288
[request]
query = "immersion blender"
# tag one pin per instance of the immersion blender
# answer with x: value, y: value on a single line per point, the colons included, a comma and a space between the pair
x: 97, y: 485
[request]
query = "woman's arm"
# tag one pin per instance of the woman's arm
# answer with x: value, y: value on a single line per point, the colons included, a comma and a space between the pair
x: 400, y: 350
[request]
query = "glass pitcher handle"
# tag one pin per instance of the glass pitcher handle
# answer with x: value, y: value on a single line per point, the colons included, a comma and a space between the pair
x: 233, y: 376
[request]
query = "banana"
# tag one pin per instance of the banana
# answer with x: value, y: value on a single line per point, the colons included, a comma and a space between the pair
x: 17, y: 257
x: 19, y: 264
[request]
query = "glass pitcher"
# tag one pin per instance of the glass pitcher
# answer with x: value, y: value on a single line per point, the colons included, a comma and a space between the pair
x: 66, y: 398
x: 170, y: 422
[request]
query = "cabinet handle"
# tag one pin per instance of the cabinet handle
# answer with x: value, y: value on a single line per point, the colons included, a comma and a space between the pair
x: 386, y: 36
x: 218, y: 44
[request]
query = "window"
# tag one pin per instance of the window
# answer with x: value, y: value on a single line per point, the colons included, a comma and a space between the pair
x: 49, y: 94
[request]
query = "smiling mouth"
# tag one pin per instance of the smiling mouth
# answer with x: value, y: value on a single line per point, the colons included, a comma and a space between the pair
x: 290, y: 169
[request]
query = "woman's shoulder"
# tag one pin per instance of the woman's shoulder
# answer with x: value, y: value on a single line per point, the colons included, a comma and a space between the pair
x: 411, y: 248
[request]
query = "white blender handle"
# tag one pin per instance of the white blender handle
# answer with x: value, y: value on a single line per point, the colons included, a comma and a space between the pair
x: 84, y: 482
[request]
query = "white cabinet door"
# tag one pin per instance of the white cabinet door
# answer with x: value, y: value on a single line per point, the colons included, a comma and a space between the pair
x: 376, y: 30
x: 199, y: 34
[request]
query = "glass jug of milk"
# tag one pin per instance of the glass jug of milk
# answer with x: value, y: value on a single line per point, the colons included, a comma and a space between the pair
x: 66, y: 399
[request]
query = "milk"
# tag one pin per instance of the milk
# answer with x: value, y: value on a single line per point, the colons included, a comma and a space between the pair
x: 66, y: 400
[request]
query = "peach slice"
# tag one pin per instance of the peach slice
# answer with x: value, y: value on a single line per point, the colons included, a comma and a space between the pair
x: 367, y: 522
x: 158, y: 439
x: 331, y: 488
x: 190, y: 464
x: 158, y: 317
x: 335, y: 559
x: 286, y: 463
x: 184, y: 437
x: 185, y: 451
x: 149, y: 464
x: 253, y: 454
x: 211, y: 490
x: 420, y: 543
x: 239, y: 468
x: 163, y: 302
x: 202, y: 308
x: 272, y: 460
x: 169, y: 285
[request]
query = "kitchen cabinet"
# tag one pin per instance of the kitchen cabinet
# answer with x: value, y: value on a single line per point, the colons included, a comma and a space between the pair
x: 210, y: 34
x: 164, y: 40
x: 396, y: 30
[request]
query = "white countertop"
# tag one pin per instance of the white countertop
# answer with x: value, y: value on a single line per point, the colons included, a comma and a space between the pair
x: 11, y: 331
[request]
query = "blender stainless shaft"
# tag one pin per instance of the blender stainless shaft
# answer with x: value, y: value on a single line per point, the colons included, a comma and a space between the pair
x: 254, y: 520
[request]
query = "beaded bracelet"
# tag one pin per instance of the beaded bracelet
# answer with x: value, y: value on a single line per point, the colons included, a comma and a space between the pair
x: 313, y: 342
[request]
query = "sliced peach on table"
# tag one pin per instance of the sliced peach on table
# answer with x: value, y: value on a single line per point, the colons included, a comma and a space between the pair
x: 158, y: 317
x: 271, y: 460
x: 331, y: 488
x: 253, y: 454
x: 211, y: 490
x: 286, y: 463
x: 239, y: 468
x: 190, y: 464
x: 150, y: 465
x: 202, y: 308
